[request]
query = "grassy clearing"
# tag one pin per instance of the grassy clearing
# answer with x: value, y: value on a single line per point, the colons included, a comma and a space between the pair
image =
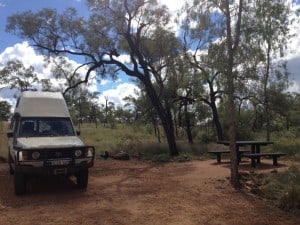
x: 137, y: 140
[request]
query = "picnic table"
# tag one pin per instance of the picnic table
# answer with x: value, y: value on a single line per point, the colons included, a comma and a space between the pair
x: 255, y: 147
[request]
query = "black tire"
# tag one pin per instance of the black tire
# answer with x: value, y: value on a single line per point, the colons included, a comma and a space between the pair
x: 19, y: 182
x: 82, y: 179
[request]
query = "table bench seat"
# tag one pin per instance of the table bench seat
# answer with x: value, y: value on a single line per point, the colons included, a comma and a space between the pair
x: 253, y: 156
x: 218, y: 153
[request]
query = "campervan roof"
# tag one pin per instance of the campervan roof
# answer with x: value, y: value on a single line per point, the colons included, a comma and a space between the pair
x: 42, y: 104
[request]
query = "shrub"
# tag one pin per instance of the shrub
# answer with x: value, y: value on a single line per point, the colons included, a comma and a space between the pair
x: 284, y: 188
x: 290, y: 200
x: 291, y: 148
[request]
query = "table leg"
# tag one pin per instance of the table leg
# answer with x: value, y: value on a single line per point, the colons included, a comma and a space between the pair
x: 275, y: 162
x: 258, y: 152
x: 218, y: 157
x: 252, y: 149
x: 253, y: 163
x: 238, y: 154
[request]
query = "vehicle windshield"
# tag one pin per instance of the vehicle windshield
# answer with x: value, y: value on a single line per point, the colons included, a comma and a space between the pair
x: 42, y: 127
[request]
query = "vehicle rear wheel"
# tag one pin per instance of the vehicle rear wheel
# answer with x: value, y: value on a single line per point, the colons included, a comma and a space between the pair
x: 82, y: 179
x: 19, y: 182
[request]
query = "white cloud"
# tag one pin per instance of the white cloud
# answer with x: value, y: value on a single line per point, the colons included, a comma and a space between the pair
x: 104, y: 82
x: 123, y: 58
x: 23, y: 52
x: 26, y: 54
x: 172, y: 5
x: 116, y: 95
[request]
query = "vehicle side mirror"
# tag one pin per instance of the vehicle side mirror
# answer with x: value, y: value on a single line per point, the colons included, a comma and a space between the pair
x: 10, y: 134
x: 78, y: 132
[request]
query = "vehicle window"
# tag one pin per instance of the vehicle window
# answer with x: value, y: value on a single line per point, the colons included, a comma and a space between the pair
x: 41, y: 127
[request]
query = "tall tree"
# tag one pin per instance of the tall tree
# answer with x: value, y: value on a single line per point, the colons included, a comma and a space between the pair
x: 201, y: 30
x: 137, y: 28
x: 15, y: 75
x: 269, y: 27
x: 232, y: 39
x: 220, y: 22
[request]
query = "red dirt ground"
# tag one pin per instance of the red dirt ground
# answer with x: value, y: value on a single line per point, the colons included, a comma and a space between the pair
x: 138, y: 192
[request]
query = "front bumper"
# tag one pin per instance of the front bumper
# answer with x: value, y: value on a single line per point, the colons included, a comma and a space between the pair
x: 55, y: 161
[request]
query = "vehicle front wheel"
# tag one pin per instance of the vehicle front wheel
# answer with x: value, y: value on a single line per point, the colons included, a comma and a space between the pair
x: 82, y: 179
x: 19, y: 182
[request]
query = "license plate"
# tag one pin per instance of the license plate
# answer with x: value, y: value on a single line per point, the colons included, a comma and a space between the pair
x: 60, y: 171
x: 60, y: 162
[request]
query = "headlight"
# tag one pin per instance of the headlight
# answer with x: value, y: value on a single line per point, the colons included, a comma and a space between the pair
x: 35, y: 155
x: 78, y: 153
x: 24, y: 155
x: 88, y: 152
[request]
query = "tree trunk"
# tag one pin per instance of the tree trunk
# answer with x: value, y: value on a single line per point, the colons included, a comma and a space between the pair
x: 156, y: 130
x: 188, y: 125
x: 216, y: 120
x: 164, y: 114
x: 213, y: 106
x: 266, y: 95
x: 232, y: 45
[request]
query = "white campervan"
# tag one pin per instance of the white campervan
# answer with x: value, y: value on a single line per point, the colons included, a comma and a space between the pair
x: 42, y: 140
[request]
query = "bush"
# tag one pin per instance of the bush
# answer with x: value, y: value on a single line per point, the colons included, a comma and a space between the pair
x: 290, y: 200
x: 284, y: 188
x: 206, y: 137
x: 291, y: 148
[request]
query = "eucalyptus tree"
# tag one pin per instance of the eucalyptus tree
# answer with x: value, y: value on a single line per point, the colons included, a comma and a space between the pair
x: 206, y: 55
x: 185, y: 87
x: 268, y: 27
x: 15, y: 75
x: 211, y: 22
x: 138, y: 29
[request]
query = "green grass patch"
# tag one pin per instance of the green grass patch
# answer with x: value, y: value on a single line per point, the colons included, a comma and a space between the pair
x: 287, y: 142
x: 138, y: 141
x: 284, y: 188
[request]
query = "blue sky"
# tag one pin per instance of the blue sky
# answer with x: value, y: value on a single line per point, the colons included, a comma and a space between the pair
x: 12, y: 47
x: 9, y: 7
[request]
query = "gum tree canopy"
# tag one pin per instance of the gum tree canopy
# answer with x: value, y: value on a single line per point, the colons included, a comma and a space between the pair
x: 138, y: 29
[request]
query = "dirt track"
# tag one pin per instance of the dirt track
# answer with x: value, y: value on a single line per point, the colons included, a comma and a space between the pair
x: 136, y: 192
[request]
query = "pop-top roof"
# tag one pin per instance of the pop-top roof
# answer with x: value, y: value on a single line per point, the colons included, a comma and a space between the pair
x: 42, y: 104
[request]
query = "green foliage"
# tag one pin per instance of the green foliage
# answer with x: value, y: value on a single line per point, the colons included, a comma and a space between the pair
x: 291, y: 148
x: 15, y: 75
x: 287, y: 142
x: 5, y: 108
x: 206, y: 136
x: 284, y: 188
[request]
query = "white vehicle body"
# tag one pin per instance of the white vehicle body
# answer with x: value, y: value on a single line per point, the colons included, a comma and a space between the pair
x: 42, y: 140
